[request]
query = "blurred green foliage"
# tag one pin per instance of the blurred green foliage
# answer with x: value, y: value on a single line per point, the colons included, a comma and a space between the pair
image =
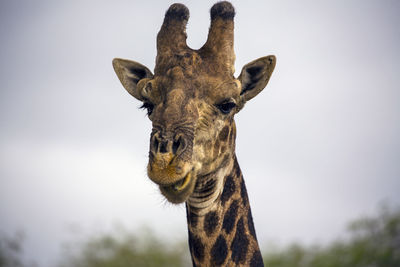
x: 11, y: 250
x: 370, y: 242
x: 124, y: 249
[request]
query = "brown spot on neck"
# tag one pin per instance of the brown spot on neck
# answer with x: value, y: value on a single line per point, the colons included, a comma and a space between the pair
x: 225, y: 235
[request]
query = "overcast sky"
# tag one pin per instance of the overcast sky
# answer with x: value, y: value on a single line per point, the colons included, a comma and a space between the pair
x: 318, y: 147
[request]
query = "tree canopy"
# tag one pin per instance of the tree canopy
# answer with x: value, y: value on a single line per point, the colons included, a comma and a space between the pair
x: 370, y: 242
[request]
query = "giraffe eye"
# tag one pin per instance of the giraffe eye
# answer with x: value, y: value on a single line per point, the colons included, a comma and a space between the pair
x: 226, y: 107
x: 149, y: 106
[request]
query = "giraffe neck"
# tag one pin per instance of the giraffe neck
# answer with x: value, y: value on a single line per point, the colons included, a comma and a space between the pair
x: 221, y: 232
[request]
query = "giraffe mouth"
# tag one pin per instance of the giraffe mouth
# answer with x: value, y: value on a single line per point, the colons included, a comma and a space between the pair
x: 181, y: 184
x: 179, y: 191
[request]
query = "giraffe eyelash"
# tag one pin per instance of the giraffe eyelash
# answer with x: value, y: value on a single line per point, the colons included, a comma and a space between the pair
x: 148, y: 106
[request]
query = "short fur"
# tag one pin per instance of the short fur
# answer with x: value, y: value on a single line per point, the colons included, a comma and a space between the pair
x: 191, y: 99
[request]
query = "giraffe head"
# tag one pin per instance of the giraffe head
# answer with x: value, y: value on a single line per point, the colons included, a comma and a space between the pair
x: 191, y: 99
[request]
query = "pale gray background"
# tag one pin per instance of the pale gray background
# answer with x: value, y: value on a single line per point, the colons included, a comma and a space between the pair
x: 319, y: 147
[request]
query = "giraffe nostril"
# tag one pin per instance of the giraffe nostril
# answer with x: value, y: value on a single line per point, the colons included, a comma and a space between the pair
x: 176, y: 145
x: 163, y: 147
x: 155, y: 144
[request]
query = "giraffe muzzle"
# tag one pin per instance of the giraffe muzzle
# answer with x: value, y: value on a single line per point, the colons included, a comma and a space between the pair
x: 170, y: 166
x: 181, y: 190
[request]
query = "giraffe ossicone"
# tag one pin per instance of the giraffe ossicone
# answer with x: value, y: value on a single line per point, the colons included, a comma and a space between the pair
x: 191, y: 99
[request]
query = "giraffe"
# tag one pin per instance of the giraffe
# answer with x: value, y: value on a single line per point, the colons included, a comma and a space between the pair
x: 191, y: 99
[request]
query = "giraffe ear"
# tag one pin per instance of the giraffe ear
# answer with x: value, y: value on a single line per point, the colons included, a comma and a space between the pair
x: 130, y: 73
x: 255, y: 76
